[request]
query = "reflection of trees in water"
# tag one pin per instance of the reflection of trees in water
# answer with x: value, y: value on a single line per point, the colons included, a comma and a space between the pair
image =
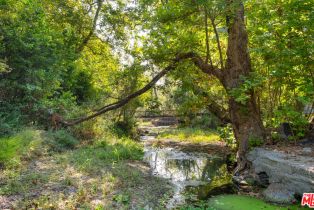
x: 211, y: 168
x: 182, y: 167
x: 186, y: 168
x: 200, y: 168
x: 220, y: 182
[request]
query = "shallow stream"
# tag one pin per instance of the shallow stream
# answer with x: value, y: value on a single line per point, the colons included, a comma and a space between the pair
x: 197, y: 176
x: 194, y: 175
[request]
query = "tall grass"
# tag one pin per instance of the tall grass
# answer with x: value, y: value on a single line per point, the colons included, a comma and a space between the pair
x: 109, y: 150
x: 30, y: 143
x: 21, y: 145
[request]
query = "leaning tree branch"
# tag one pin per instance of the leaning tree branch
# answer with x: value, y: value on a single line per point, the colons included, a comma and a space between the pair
x: 212, y: 106
x: 125, y: 100
x: 180, y: 57
x: 203, y: 66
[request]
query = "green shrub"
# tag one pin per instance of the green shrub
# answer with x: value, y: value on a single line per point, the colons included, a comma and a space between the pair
x: 296, y: 119
x: 227, y: 135
x: 125, y: 128
x: 10, y: 122
x: 61, y: 140
x: 255, y: 141
x: 22, y: 145
x: 91, y: 129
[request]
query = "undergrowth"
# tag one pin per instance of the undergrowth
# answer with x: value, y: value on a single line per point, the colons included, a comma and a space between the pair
x: 22, y: 145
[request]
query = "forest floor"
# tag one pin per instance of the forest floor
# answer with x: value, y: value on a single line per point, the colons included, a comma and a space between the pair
x: 54, y: 183
x: 105, y: 175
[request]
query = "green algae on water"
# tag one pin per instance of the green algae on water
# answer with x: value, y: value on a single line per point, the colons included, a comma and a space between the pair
x: 241, y: 202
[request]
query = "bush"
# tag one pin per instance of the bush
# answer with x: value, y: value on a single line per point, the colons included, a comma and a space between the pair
x: 10, y: 122
x: 205, y: 122
x: 91, y: 129
x: 125, y: 129
x: 296, y: 119
x: 20, y: 146
x: 227, y: 135
x: 61, y: 140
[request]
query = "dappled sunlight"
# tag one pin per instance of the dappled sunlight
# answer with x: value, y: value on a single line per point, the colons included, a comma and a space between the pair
x: 105, y: 174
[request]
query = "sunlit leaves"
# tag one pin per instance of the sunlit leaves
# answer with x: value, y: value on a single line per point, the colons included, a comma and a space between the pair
x: 281, y: 34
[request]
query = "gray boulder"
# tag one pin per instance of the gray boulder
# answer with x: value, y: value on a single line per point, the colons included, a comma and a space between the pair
x: 294, y: 174
x: 277, y: 193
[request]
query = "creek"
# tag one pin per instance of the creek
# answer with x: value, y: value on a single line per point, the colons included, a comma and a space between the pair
x: 196, y: 176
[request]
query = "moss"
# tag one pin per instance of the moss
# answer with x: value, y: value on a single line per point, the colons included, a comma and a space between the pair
x: 239, y: 202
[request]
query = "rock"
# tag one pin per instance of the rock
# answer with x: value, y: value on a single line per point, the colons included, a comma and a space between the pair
x: 295, y: 173
x: 263, y: 179
x: 277, y: 193
x: 306, y: 142
x: 307, y: 150
x: 285, y: 130
x: 244, y: 183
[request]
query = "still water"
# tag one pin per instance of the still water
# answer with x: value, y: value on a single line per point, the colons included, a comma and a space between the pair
x: 193, y: 175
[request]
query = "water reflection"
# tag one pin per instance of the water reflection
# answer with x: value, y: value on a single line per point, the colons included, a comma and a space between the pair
x: 185, y: 170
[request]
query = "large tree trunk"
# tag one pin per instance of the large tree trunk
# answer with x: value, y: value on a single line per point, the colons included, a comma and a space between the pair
x: 247, y: 125
x: 245, y: 117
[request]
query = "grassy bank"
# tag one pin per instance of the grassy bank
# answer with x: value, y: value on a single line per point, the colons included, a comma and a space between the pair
x: 49, y: 171
x: 192, y: 135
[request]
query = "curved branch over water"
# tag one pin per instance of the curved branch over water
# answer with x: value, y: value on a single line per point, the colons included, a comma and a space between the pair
x: 198, y: 61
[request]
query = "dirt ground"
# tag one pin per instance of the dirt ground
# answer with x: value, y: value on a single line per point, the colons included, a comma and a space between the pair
x: 53, y: 182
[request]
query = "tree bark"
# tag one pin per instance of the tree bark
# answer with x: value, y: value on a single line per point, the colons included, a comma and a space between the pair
x: 247, y: 125
x: 245, y: 117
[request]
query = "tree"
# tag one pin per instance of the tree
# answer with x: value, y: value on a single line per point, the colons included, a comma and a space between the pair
x: 282, y: 51
x: 244, y: 114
